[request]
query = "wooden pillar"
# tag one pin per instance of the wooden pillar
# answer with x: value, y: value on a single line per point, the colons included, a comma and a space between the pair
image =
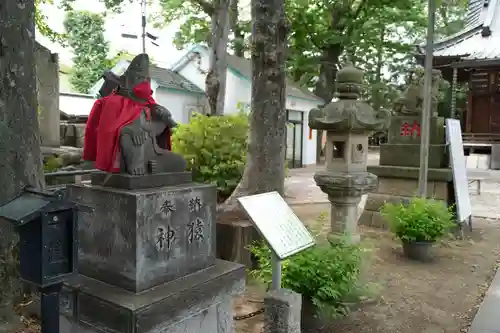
x: 453, y: 111
x: 468, y: 112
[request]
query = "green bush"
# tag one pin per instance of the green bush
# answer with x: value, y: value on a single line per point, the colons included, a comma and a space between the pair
x: 52, y: 164
x: 326, y: 274
x: 419, y: 219
x: 215, y: 149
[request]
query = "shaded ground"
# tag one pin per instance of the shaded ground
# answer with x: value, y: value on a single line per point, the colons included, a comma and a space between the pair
x: 438, y: 297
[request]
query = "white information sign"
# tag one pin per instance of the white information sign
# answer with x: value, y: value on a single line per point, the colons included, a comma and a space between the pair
x: 277, y: 223
x: 457, y: 161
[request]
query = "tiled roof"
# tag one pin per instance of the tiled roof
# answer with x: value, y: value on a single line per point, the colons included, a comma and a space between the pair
x: 164, y: 77
x: 472, y: 47
x: 244, y: 66
x: 170, y: 79
x: 480, y: 39
x: 474, y: 12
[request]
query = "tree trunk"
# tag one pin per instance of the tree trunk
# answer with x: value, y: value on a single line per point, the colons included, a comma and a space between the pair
x: 216, y: 77
x: 377, y: 86
x: 21, y: 160
x: 238, y: 35
x: 265, y: 165
x: 326, y: 84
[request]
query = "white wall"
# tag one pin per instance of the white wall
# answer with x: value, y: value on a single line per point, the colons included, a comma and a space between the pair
x: 179, y: 102
x: 195, y: 71
x: 74, y: 104
x: 309, y: 143
x: 238, y: 91
x: 154, y: 87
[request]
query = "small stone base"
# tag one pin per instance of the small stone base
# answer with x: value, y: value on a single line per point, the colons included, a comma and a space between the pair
x: 200, y: 302
x: 233, y: 239
x: 130, y: 182
x: 408, y: 155
x: 282, y: 311
x: 403, y: 184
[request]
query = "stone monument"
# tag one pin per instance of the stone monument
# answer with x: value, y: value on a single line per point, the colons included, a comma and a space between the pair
x: 147, y: 251
x: 348, y: 122
x: 47, y: 87
x: 400, y: 156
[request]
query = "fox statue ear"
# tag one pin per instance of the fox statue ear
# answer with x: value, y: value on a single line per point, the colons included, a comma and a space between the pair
x: 136, y: 72
x: 110, y: 84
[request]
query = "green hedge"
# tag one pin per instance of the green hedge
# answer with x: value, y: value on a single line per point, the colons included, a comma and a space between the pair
x: 215, y: 149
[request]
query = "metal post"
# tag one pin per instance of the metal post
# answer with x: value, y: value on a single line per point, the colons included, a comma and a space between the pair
x: 426, y: 114
x: 50, y: 308
x: 276, y: 270
x: 143, y: 10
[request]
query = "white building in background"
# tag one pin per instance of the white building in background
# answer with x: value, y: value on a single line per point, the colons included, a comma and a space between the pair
x: 179, y: 95
x: 74, y: 105
x: 301, y: 140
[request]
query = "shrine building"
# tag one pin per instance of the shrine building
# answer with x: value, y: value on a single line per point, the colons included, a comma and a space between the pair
x: 472, y: 57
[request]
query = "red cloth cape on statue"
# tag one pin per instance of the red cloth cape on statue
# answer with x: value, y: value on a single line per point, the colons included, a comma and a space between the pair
x: 106, y: 119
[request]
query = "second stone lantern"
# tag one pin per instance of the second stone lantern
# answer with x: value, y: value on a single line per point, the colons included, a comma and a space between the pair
x: 348, y: 122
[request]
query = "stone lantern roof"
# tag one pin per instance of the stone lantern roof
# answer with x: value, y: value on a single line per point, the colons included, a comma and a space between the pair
x: 349, y: 113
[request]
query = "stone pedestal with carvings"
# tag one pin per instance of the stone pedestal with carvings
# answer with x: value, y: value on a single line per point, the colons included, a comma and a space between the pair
x: 348, y: 122
x: 147, y: 258
x: 399, y: 166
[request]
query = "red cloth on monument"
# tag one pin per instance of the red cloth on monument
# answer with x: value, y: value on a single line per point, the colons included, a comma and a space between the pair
x: 106, y: 119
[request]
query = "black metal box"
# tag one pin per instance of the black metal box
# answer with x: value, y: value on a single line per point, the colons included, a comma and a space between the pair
x: 47, y: 227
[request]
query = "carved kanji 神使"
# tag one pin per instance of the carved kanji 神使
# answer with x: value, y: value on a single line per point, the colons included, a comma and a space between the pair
x: 165, y: 238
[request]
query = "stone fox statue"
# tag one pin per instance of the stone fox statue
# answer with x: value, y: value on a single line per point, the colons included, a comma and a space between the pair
x: 127, y: 131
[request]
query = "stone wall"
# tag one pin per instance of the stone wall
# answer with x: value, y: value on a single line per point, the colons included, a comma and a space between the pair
x: 47, y: 73
x: 72, y: 134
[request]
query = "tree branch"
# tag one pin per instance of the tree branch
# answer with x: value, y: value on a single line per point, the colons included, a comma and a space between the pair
x: 358, y: 10
x: 355, y: 16
x: 205, y: 5
x: 311, y: 37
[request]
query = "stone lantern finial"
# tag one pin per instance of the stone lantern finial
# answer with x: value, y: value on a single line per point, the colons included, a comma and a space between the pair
x: 349, y: 81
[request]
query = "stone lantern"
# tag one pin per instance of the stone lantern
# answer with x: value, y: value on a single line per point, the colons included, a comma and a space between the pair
x: 348, y: 122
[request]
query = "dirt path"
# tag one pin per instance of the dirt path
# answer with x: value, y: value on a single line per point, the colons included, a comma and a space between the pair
x: 440, y: 297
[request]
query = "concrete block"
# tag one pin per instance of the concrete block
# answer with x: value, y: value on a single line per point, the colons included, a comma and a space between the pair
x: 282, y: 311
x: 403, y: 187
x: 197, y: 303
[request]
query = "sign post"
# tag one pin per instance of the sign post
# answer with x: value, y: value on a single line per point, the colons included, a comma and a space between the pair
x: 276, y: 270
x: 460, y: 180
x: 285, y: 234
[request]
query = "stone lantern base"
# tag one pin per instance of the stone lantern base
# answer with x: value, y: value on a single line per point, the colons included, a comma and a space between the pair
x: 344, y: 193
x: 396, y: 183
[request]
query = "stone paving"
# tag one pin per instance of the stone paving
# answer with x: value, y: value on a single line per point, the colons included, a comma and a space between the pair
x: 301, y: 188
x: 487, y: 318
